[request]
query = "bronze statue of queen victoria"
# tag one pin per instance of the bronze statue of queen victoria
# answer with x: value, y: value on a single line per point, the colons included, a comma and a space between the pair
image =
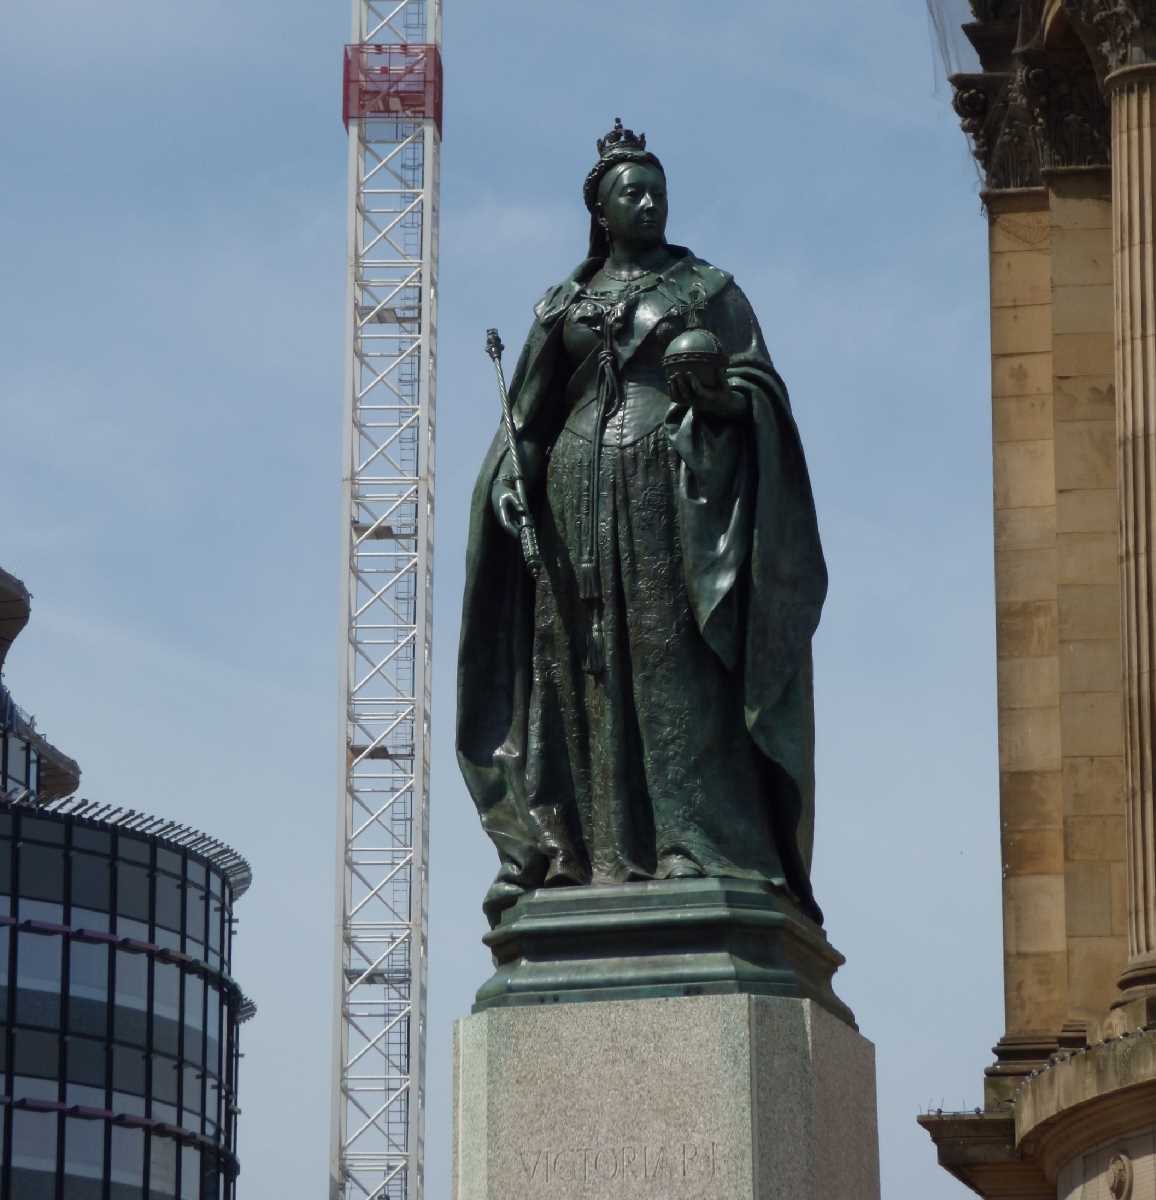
x: 641, y: 707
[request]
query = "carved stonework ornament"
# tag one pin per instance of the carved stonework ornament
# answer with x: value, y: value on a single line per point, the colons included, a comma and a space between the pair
x: 973, y: 107
x: 1015, y: 160
x: 1069, y: 116
x: 1032, y: 108
x: 991, y: 10
x: 1120, y: 30
x: 1120, y: 1177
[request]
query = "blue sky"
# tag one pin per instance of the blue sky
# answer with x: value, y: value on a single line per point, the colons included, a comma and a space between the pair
x: 173, y: 237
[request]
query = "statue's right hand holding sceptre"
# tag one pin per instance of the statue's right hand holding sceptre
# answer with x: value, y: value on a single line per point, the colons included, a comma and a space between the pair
x: 508, y: 495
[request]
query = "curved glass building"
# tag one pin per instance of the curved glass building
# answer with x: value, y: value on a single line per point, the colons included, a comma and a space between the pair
x: 118, y: 1011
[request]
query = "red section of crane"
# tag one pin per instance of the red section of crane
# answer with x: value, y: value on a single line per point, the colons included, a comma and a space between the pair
x: 403, y: 81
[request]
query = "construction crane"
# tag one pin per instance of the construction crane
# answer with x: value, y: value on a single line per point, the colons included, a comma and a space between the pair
x: 393, y: 115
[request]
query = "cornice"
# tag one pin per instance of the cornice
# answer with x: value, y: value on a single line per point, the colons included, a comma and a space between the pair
x: 1083, y: 1099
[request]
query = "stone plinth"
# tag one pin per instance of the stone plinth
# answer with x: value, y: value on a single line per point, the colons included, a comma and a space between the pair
x: 728, y: 1097
x: 640, y: 941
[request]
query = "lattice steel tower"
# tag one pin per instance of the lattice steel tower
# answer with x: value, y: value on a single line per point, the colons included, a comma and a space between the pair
x: 392, y: 103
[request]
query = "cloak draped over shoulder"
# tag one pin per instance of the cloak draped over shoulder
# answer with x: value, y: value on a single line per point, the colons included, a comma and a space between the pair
x: 727, y: 504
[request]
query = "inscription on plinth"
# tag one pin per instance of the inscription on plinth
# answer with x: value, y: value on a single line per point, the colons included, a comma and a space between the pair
x: 624, y: 1164
x: 704, y: 1098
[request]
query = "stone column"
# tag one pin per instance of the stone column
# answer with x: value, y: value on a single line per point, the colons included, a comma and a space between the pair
x: 1133, y: 92
x: 1027, y: 637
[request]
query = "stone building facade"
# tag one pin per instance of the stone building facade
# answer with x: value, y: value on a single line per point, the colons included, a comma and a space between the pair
x: 1062, y: 119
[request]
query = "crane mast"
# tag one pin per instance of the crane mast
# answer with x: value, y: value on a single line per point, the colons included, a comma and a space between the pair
x: 392, y: 111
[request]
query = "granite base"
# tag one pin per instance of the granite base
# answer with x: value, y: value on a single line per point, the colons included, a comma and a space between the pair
x: 724, y: 1097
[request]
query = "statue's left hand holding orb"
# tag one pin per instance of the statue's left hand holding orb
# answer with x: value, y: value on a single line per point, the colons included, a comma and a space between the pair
x: 712, y: 398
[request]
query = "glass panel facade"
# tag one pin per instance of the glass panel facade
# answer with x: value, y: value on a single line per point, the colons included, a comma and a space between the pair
x: 126, y: 1164
x: 103, y: 1027
x: 33, y: 1164
x: 84, y: 1148
x: 91, y: 882
x: 88, y: 978
x: 190, y: 1173
x: 131, y: 997
x: 38, y: 973
x: 163, y: 1169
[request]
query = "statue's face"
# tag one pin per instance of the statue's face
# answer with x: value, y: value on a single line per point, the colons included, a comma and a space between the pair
x: 634, y: 206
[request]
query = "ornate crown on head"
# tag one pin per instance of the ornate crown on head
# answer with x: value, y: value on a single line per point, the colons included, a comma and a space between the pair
x: 620, y: 139
x: 617, y: 146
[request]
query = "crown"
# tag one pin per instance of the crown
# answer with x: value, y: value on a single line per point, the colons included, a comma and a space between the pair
x: 621, y: 139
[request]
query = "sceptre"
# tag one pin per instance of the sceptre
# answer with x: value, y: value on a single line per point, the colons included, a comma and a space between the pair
x: 527, y: 534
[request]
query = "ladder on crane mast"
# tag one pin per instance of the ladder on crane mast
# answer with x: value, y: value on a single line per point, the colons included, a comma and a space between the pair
x: 392, y: 106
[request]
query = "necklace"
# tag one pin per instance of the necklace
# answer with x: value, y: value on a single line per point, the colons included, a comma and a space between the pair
x: 626, y: 276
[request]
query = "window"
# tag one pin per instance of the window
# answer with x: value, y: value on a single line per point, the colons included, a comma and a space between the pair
x: 129, y: 927
x: 42, y: 872
x: 167, y: 1113
x: 84, y: 1148
x: 162, y: 1168
x: 133, y: 848
x: 132, y: 983
x: 168, y: 860
x: 212, y: 1109
x: 191, y: 1101
x: 210, y: 1179
x: 194, y: 1019
x: 90, y: 918
x: 37, y: 1053
x: 190, y: 1173
x: 167, y: 939
x: 91, y: 880
x: 33, y: 1150
x: 88, y: 988
x: 126, y: 1164
x: 128, y: 1103
x: 97, y: 840
x: 48, y: 912
x: 128, y: 1069
x: 132, y: 891
x: 42, y: 829
x: 5, y: 871
x: 213, y: 1033
x: 165, y: 1081
x: 83, y: 1095
x: 170, y: 905
x: 166, y: 1007
x: 86, y: 1064
x: 4, y: 945
x: 216, y: 917
x: 195, y: 924
x: 30, y: 1087
x: 38, y: 978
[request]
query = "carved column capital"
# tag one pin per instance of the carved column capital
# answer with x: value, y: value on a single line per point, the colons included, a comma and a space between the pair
x: 1122, y: 33
x: 1068, y: 113
x: 1046, y: 113
x: 1036, y: 104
